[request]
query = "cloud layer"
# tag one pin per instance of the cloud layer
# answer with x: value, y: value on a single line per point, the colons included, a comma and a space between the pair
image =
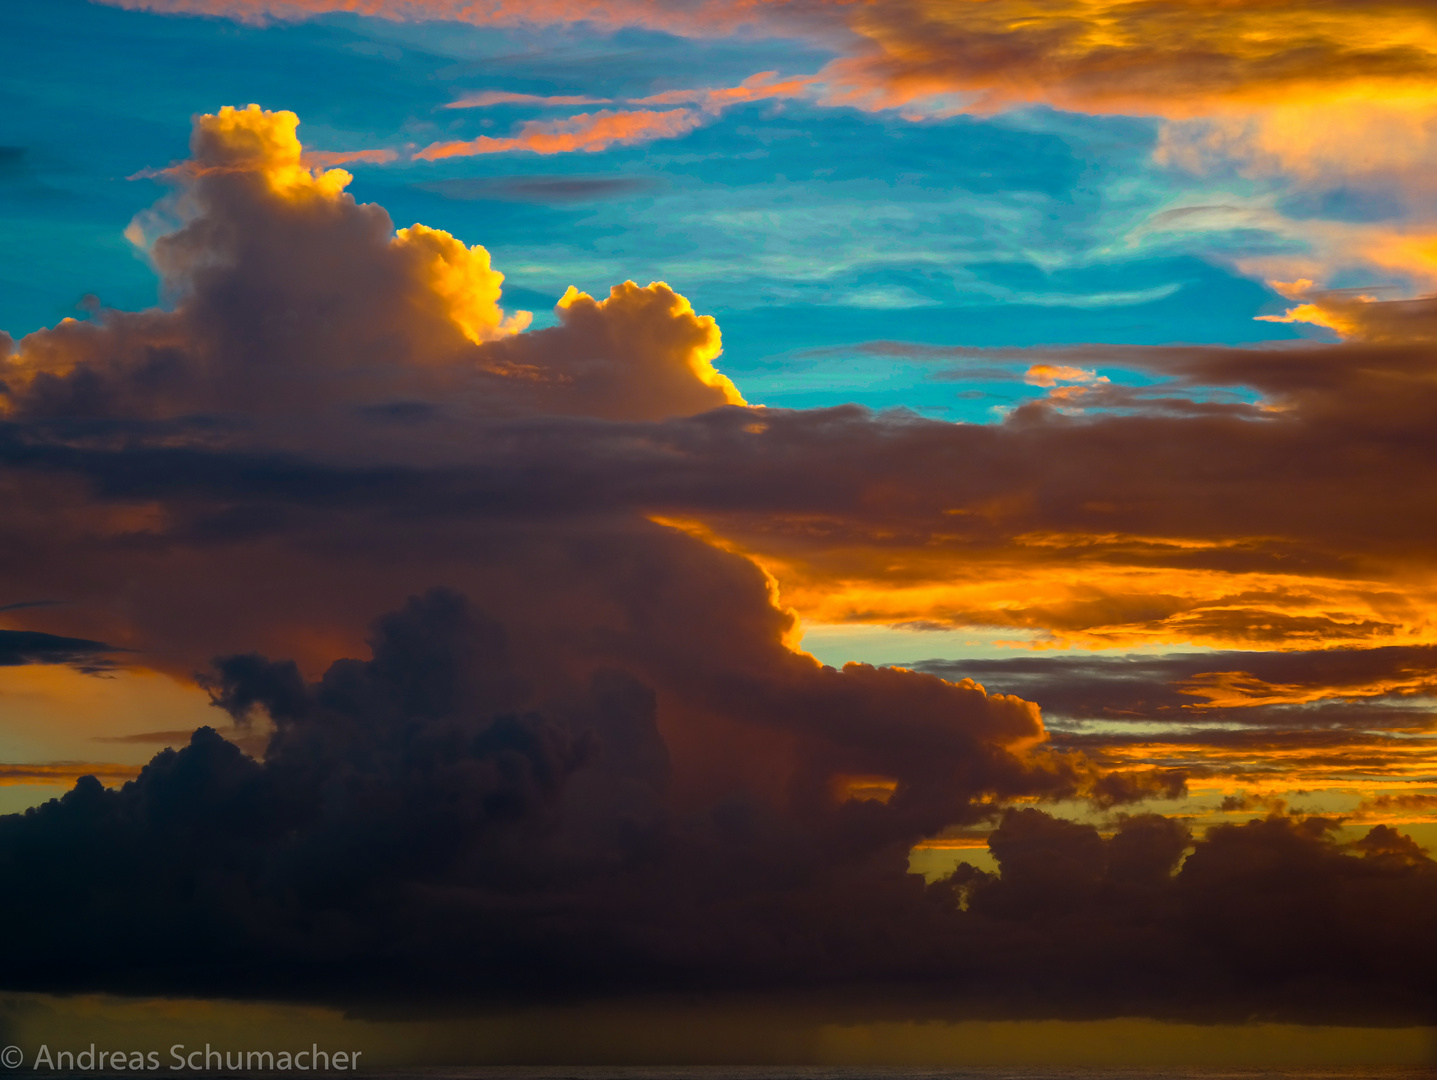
x: 1273, y: 95
x: 580, y: 754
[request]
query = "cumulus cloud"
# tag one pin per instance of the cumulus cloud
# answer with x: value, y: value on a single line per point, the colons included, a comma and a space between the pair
x: 580, y: 754
x: 435, y: 820
x: 639, y: 698
x: 291, y: 295
x: 415, y: 829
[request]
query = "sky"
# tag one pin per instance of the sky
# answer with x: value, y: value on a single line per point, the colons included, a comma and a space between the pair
x: 838, y: 517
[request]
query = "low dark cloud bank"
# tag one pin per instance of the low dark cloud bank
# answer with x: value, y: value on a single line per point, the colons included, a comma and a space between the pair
x: 582, y: 757
x: 427, y: 823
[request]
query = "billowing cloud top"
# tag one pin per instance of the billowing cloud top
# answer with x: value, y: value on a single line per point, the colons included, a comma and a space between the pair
x: 291, y: 296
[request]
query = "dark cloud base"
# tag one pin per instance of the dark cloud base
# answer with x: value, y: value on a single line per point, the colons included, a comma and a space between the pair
x: 426, y: 826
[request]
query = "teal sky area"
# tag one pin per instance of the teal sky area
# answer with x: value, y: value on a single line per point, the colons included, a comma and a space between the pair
x: 805, y: 229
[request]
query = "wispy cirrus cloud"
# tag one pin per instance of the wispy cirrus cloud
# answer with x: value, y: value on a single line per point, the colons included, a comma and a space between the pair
x: 1277, y: 93
x: 594, y: 132
x: 586, y: 133
x: 761, y: 87
x: 482, y: 99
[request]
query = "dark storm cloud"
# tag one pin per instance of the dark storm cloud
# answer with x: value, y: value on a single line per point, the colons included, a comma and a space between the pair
x: 1273, y: 910
x: 429, y: 820
x: 427, y: 823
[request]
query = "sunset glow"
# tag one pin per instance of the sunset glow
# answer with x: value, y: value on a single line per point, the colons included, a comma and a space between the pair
x: 754, y: 532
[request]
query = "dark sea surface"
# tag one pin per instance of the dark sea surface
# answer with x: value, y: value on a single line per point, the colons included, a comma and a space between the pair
x: 906, y: 1073
x: 892, y: 1072
x: 847, y: 1072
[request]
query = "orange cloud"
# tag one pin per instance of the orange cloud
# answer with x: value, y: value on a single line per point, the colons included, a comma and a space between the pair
x: 1175, y: 58
x: 324, y: 159
x: 640, y: 353
x: 1287, y: 762
x: 592, y: 132
x: 1050, y: 375
x: 1364, y: 132
x: 257, y: 142
x: 406, y: 314
x: 588, y: 132
x: 1091, y: 593
x: 464, y: 285
x: 1357, y: 315
x: 1325, y: 91
x: 764, y: 85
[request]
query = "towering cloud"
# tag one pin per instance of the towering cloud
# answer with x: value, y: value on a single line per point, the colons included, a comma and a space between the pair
x: 580, y: 754
x: 426, y: 823
x: 292, y: 297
